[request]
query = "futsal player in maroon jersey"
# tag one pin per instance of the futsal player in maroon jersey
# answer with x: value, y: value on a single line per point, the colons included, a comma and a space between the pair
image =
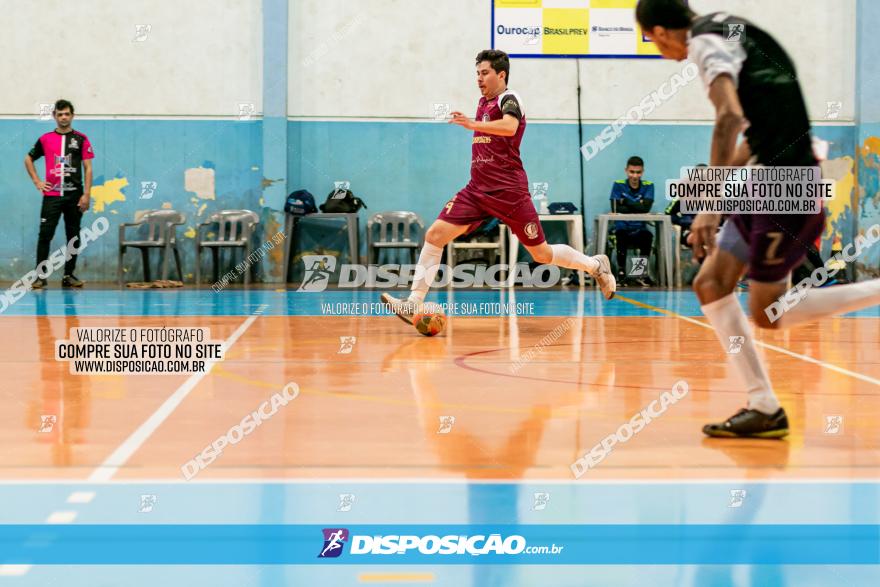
x: 498, y: 188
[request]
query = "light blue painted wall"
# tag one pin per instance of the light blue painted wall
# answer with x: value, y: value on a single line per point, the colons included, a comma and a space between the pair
x: 412, y: 166
x: 138, y: 150
x: 868, y: 120
x: 867, y: 64
x: 419, y: 166
x: 274, y: 133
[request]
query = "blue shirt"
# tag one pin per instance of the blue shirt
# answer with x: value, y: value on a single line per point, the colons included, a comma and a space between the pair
x: 624, y: 197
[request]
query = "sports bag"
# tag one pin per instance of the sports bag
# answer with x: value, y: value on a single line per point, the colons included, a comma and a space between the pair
x: 342, y: 201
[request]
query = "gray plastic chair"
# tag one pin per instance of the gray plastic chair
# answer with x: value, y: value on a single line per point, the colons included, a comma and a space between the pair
x: 395, y: 232
x: 234, y: 230
x: 161, y: 234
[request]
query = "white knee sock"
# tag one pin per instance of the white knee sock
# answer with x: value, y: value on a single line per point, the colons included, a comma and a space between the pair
x: 566, y: 256
x: 429, y: 264
x: 728, y: 319
x: 839, y: 299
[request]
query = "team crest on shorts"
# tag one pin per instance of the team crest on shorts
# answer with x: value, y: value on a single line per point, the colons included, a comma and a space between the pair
x: 531, y: 230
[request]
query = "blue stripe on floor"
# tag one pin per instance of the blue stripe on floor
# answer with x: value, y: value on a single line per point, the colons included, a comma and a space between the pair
x: 205, y: 302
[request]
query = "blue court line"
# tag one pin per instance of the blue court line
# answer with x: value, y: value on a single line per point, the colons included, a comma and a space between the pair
x: 298, y: 544
x: 190, y: 302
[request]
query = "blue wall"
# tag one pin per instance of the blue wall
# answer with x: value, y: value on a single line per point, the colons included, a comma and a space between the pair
x: 419, y: 166
x: 392, y: 165
x: 138, y: 150
x: 868, y: 115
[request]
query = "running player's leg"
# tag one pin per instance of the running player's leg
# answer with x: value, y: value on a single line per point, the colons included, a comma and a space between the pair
x: 565, y: 256
x: 783, y: 242
x: 714, y: 286
x: 458, y: 215
x: 437, y: 237
x: 518, y: 212
x: 819, y: 303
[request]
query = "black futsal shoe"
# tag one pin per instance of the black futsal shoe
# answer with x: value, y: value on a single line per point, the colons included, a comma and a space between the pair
x: 40, y: 283
x: 71, y: 281
x: 750, y: 424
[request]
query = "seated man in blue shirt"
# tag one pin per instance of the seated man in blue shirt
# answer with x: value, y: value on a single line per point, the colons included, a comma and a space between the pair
x: 632, y: 196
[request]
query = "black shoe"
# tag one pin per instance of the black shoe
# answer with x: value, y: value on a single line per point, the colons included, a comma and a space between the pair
x: 750, y: 424
x: 39, y: 284
x: 71, y: 281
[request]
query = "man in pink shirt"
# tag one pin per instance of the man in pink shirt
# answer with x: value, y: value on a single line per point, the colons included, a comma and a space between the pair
x: 67, y: 152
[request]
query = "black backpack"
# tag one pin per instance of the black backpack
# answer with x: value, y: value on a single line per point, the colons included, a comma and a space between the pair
x: 342, y: 201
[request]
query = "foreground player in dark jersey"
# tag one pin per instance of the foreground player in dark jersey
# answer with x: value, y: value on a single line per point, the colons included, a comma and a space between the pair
x: 750, y: 81
x: 498, y: 188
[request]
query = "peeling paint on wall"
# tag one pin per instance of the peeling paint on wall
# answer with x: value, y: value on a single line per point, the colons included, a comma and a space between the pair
x: 839, y: 210
x: 868, y: 265
x: 869, y: 203
x: 108, y: 192
x: 201, y: 181
x: 870, y: 177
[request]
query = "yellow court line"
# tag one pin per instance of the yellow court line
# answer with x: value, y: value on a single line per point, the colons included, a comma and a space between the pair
x: 656, y: 309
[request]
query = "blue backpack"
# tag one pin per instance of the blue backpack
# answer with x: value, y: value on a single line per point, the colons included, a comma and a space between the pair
x: 300, y: 203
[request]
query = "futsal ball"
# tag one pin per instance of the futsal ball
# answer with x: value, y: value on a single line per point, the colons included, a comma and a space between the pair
x: 430, y: 320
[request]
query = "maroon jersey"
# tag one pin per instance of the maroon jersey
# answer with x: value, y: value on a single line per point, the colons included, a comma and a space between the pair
x: 495, y: 162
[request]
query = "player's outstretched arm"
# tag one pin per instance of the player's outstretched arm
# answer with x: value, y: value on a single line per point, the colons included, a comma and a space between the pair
x: 505, y: 127
x: 729, y: 120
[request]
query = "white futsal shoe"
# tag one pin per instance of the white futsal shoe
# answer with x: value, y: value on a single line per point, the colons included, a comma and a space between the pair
x: 404, y: 308
x: 605, y: 277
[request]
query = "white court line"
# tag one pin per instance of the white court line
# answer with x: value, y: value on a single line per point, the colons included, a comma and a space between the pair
x: 120, y: 456
x: 81, y: 497
x: 805, y: 358
x: 65, y: 517
x: 14, y: 570
x: 772, y: 347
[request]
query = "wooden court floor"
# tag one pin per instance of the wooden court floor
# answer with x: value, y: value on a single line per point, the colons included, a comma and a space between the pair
x: 383, y: 409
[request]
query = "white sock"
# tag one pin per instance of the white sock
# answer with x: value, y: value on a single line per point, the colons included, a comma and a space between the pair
x: 429, y: 264
x: 839, y: 299
x: 566, y: 256
x: 728, y: 319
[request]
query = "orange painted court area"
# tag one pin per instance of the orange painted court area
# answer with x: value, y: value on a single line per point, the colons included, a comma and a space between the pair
x: 377, y: 411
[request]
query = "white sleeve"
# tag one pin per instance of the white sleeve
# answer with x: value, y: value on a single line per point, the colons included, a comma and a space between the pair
x: 714, y: 56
